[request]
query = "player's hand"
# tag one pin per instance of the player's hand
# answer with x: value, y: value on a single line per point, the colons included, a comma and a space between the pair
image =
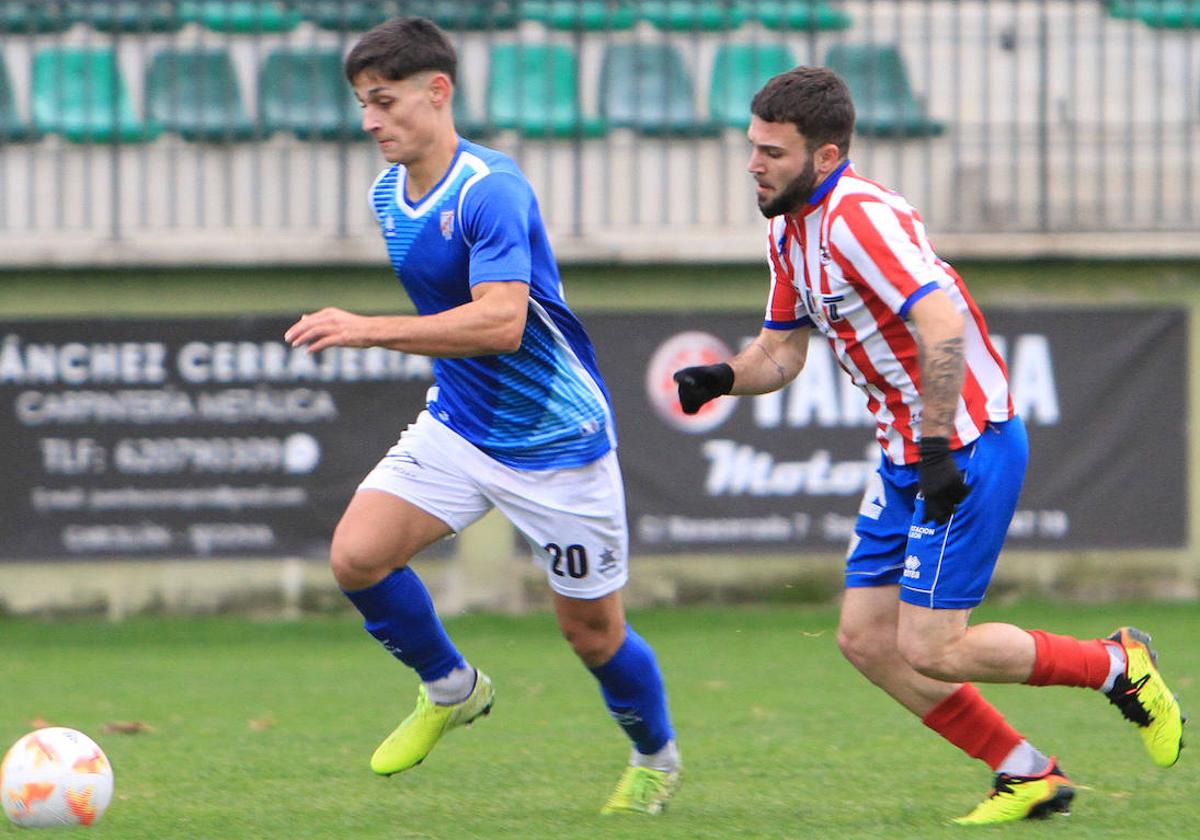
x: 329, y: 327
x: 940, y: 481
x: 698, y: 385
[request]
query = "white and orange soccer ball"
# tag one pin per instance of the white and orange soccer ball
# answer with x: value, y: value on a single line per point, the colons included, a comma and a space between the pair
x: 55, y: 777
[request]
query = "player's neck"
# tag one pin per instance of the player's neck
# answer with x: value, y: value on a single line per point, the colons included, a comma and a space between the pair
x: 425, y: 172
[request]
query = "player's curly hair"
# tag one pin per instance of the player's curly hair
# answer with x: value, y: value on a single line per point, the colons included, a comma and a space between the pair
x: 815, y: 100
x: 402, y: 47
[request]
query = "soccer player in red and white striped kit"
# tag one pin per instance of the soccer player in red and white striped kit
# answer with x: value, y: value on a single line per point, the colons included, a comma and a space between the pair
x: 850, y: 258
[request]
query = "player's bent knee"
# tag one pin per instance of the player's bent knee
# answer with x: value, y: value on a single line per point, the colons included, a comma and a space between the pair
x: 356, y: 565
x: 926, y: 659
x: 593, y: 642
x: 862, y: 649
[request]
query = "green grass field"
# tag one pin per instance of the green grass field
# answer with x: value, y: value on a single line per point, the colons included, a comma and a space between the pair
x: 263, y: 730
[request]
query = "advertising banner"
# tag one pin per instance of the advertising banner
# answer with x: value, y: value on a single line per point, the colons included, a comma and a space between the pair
x: 1103, y: 393
x: 188, y: 437
x: 211, y: 436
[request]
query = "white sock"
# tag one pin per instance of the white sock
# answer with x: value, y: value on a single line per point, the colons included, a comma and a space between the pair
x: 1024, y: 760
x: 1116, y: 666
x: 453, y: 688
x: 666, y: 759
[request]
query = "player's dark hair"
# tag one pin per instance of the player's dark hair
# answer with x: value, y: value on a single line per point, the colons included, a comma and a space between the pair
x: 402, y: 47
x: 815, y: 100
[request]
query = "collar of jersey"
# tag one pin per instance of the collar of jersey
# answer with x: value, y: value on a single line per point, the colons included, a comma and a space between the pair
x: 826, y: 186
x: 430, y: 198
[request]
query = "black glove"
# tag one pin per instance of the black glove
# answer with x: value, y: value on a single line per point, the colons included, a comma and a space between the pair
x: 940, y: 481
x: 698, y: 385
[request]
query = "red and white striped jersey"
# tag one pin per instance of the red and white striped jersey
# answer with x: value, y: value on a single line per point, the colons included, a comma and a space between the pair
x: 852, y: 263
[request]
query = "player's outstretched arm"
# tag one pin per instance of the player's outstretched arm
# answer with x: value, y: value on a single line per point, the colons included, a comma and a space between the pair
x: 493, y: 323
x: 767, y: 364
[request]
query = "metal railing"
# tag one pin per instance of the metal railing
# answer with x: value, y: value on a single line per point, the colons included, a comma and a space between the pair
x: 201, y: 130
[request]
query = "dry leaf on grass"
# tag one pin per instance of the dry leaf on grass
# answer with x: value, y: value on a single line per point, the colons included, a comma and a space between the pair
x: 259, y: 724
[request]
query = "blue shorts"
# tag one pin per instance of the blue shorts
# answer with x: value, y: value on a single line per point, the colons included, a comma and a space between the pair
x: 940, y: 566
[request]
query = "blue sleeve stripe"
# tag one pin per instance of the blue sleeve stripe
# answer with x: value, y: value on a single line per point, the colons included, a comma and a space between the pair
x: 788, y: 325
x: 916, y: 296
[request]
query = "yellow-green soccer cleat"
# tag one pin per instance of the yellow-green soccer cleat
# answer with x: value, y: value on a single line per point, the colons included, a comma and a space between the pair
x: 1144, y: 698
x: 642, y: 790
x: 416, y: 736
x: 1023, y: 798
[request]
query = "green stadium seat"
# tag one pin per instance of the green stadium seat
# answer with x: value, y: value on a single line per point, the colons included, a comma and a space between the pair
x: 304, y: 92
x: 128, y: 15
x: 32, y: 16
x: 739, y: 70
x: 884, y: 102
x: 464, y: 14
x: 646, y: 87
x: 799, y: 15
x: 242, y: 15
x: 13, y: 129
x: 195, y: 93
x: 343, y: 15
x: 1160, y: 14
x: 706, y: 15
x: 532, y: 89
x: 587, y: 15
x: 79, y: 94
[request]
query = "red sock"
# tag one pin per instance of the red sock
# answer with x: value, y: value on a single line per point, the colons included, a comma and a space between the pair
x: 973, y: 725
x: 1065, y: 660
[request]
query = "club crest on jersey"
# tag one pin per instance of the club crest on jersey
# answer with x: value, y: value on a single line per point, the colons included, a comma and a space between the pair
x: 447, y: 224
x: 826, y: 258
x: 389, y: 225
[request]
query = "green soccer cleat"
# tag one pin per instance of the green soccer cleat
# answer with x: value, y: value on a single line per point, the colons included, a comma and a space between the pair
x: 642, y: 790
x: 1144, y: 698
x: 1023, y: 798
x: 416, y: 736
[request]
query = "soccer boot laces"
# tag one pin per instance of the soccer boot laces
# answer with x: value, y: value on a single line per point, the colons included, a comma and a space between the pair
x: 1144, y: 699
x: 642, y: 790
x: 1023, y: 798
x: 417, y: 735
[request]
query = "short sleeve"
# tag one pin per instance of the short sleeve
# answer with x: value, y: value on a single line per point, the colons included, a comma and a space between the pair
x: 785, y: 309
x: 880, y: 245
x: 495, y: 214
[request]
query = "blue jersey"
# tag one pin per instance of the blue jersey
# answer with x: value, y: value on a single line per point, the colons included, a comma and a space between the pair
x: 544, y: 406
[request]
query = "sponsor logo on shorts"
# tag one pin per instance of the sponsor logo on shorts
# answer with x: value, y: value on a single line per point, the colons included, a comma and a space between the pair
x: 609, y: 566
x: 402, y: 463
x: 912, y: 566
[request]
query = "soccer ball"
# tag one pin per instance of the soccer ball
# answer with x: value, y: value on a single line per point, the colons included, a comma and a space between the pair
x: 55, y: 777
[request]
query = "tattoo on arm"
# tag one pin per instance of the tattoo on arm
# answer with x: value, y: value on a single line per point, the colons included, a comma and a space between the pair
x: 942, y: 379
x: 778, y: 367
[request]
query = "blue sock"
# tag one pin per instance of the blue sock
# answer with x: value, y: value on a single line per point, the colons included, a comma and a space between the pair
x: 633, y: 691
x: 399, y: 613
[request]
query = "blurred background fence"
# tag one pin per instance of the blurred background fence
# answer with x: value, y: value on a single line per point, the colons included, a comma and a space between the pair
x: 194, y: 131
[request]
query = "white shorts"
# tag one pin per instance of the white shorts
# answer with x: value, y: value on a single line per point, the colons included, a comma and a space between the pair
x: 573, y: 519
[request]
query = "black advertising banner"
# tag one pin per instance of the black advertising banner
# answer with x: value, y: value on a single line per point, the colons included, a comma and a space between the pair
x: 1103, y: 394
x: 203, y: 437
x: 191, y: 437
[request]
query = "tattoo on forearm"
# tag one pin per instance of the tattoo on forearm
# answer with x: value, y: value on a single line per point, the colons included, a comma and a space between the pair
x: 942, y: 378
x: 778, y: 367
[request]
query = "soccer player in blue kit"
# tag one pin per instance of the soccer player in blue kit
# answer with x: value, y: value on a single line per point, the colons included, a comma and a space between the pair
x: 519, y: 418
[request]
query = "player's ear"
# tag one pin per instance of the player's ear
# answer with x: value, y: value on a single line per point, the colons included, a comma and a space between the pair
x: 826, y: 157
x: 440, y: 88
